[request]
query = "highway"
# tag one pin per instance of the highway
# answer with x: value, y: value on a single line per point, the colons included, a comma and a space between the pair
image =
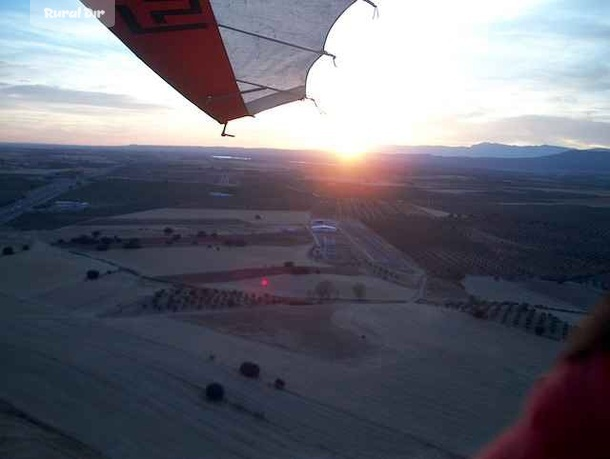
x: 34, y: 198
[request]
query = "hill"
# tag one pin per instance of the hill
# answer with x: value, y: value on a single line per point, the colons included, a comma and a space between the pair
x: 595, y: 161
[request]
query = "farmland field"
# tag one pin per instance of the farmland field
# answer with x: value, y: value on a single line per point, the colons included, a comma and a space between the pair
x: 190, y: 262
x: 266, y: 217
x: 180, y: 260
x: 566, y: 296
x: 43, y: 269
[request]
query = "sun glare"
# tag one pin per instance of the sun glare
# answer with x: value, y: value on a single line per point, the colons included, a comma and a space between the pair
x: 349, y: 151
x: 348, y: 140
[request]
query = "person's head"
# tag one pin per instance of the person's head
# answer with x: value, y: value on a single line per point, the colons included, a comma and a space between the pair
x: 593, y: 333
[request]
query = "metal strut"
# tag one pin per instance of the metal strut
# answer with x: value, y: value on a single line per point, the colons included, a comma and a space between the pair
x: 224, y: 131
x: 263, y: 87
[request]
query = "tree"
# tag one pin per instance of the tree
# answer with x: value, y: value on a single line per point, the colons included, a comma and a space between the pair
x: 25, y: 247
x: 8, y: 250
x: 215, y: 392
x: 93, y: 274
x: 250, y: 370
x: 359, y: 291
x: 324, y: 290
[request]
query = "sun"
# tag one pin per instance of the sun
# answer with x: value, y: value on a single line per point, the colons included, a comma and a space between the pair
x: 349, y: 150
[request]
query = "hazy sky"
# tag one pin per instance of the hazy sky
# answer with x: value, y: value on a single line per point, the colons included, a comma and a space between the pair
x: 425, y: 72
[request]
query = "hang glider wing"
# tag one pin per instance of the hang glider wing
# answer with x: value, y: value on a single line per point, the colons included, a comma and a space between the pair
x: 231, y: 58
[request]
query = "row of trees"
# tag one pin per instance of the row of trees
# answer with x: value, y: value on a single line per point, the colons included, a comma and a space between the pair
x: 192, y: 298
x: 104, y: 243
x: 326, y: 290
x: 532, y: 318
x: 180, y: 298
x: 10, y: 250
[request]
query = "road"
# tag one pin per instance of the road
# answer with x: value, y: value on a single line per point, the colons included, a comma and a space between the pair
x: 382, y: 253
x: 35, y: 198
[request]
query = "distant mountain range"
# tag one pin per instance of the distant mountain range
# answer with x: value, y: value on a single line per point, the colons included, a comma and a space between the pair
x: 595, y: 161
x: 481, y: 150
x: 485, y: 156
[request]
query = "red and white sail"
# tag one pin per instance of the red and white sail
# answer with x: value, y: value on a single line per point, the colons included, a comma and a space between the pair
x: 231, y: 58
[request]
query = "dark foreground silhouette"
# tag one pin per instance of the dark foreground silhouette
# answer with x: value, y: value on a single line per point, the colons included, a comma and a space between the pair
x: 568, y: 413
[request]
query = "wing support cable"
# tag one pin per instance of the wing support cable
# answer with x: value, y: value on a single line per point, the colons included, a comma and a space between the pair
x: 315, y: 104
x: 376, y: 9
x: 281, y: 42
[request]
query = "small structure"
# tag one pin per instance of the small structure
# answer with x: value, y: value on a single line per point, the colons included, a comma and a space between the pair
x: 324, y: 226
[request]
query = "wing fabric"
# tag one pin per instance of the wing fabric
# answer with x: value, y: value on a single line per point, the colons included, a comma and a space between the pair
x: 231, y: 58
x: 286, y: 38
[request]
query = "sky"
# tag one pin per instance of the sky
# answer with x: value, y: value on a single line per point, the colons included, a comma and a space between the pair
x: 425, y: 72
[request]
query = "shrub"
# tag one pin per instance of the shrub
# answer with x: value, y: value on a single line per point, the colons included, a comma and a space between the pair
x: 539, y: 330
x: 25, y: 247
x: 279, y: 384
x: 324, y: 289
x: 102, y: 247
x: 478, y: 313
x: 215, y: 392
x: 167, y: 230
x: 359, y: 291
x: 289, y: 264
x: 566, y: 331
x: 133, y: 243
x: 8, y: 250
x: 93, y: 274
x: 83, y: 239
x: 250, y: 370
